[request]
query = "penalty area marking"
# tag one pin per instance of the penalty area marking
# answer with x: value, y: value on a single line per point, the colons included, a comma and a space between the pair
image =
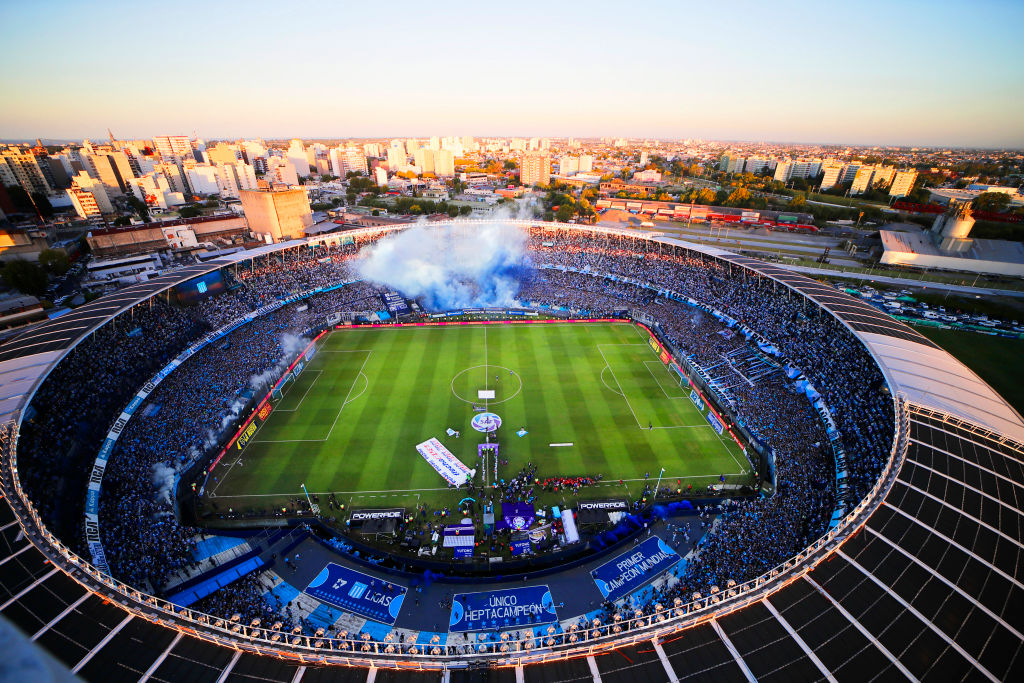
x: 658, y: 381
x: 304, y: 394
x: 605, y: 382
x: 348, y: 398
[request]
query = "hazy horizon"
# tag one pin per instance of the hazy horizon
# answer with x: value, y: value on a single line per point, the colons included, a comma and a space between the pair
x: 912, y: 74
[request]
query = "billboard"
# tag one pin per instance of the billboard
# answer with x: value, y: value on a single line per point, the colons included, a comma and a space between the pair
x: 356, y: 592
x: 492, y: 609
x: 198, y: 288
x: 716, y: 424
x: 630, y: 570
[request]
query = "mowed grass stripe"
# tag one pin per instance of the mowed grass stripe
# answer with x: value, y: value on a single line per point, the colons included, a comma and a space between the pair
x: 580, y: 370
x: 409, y: 399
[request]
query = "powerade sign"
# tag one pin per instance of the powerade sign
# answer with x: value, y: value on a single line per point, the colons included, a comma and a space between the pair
x: 716, y: 424
x: 360, y: 516
x: 632, y: 569
x: 496, y: 609
x: 356, y: 592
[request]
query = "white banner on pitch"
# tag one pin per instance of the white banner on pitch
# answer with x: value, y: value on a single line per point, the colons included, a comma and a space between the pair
x: 444, y: 462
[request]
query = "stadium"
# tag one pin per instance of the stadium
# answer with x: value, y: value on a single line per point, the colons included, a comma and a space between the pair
x: 470, y: 450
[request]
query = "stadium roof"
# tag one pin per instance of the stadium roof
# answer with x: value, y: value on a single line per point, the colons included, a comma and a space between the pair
x: 28, y: 356
x: 926, y: 589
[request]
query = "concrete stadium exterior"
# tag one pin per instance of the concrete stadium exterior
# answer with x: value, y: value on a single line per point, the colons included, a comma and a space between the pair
x: 944, y: 413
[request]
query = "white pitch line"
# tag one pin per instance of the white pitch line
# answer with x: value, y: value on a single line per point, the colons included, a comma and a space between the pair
x: 658, y: 381
x: 366, y: 385
x: 615, y: 391
x: 619, y: 385
x: 447, y: 488
x: 319, y: 373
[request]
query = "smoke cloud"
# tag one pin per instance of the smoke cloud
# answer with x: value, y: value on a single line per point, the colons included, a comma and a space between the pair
x: 452, y: 266
x: 163, y: 482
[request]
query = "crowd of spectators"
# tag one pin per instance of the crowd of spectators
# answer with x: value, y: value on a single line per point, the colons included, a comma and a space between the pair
x: 189, y: 413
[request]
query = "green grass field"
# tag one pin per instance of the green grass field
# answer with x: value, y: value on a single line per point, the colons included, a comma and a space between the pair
x: 350, y: 423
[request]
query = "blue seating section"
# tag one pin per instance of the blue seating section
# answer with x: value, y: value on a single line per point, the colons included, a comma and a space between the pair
x: 205, y: 587
x: 281, y: 594
x: 376, y: 629
x: 424, y: 638
x: 324, y: 616
x: 215, y: 545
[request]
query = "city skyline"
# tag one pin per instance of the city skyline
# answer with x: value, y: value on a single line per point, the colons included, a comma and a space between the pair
x: 913, y: 74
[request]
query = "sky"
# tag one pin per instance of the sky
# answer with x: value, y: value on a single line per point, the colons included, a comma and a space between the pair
x: 858, y: 72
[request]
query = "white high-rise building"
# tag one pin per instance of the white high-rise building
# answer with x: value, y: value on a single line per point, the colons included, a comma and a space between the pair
x: 202, y: 178
x: 352, y: 160
x: 232, y: 178
x: 380, y: 176
x: 154, y: 189
x: 586, y: 163
x: 424, y: 160
x: 444, y: 162
x: 833, y: 171
x: 84, y: 183
x: 296, y: 155
x: 644, y: 157
x: 84, y: 203
x: 171, y: 147
x: 282, y: 171
x: 850, y: 172
x: 903, y: 183
x: 175, y: 178
x: 783, y: 171
x: 755, y: 165
x: 568, y: 165
x: 397, y: 161
x: 373, y: 149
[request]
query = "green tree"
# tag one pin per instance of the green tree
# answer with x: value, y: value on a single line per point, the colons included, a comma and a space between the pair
x: 139, y: 207
x: 122, y: 221
x: 453, y: 211
x: 26, y: 277
x: 510, y: 165
x: 798, y: 202
x: 465, y: 210
x: 564, y: 213
x: 991, y: 201
x: 189, y: 211
x: 54, y: 261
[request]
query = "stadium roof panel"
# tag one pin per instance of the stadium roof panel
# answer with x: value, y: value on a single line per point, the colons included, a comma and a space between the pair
x: 931, y: 377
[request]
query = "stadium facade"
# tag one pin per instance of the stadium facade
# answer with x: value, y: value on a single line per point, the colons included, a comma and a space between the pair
x: 921, y: 579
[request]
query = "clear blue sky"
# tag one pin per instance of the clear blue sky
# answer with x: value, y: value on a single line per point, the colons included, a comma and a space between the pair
x: 892, y: 72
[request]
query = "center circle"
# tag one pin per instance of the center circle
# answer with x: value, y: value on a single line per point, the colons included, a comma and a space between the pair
x: 484, y: 375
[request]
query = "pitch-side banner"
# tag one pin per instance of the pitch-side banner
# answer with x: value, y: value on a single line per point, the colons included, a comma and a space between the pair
x: 514, y: 606
x: 356, y: 592
x: 444, y: 462
x: 633, y: 569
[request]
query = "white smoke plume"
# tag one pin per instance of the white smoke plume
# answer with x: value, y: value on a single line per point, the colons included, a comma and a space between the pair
x: 291, y: 345
x: 452, y: 266
x: 163, y: 481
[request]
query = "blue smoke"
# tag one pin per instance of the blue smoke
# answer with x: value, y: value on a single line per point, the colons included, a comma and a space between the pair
x: 452, y: 266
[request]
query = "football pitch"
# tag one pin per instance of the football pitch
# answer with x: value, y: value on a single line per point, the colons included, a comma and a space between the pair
x: 350, y: 422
